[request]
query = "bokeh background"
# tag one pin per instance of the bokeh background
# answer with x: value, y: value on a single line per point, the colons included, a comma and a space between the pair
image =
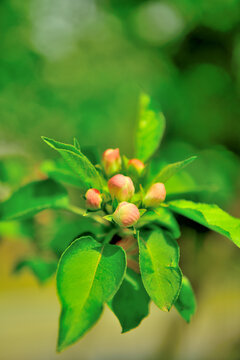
x: 76, y: 68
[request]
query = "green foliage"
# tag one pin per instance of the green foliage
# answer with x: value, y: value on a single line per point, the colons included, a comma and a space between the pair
x: 61, y: 172
x: 42, y: 269
x: 186, y: 302
x: 210, y: 216
x: 33, y: 198
x: 168, y: 171
x: 108, y: 263
x: 130, y: 304
x: 67, y: 232
x: 163, y: 218
x: 89, y: 274
x: 150, y: 130
x: 161, y: 275
x: 78, y: 162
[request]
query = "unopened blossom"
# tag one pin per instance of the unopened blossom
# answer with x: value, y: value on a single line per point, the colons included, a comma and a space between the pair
x: 155, y: 195
x: 121, y: 187
x: 137, y: 164
x: 112, y: 161
x: 93, y: 199
x: 130, y: 246
x: 126, y: 214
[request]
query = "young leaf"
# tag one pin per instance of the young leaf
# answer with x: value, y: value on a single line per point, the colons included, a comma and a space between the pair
x: 69, y: 231
x: 88, y: 275
x: 186, y: 302
x: 182, y: 185
x: 42, y: 269
x: 130, y: 304
x: 163, y: 217
x: 79, y: 163
x: 150, y: 130
x: 76, y: 144
x: 168, y: 171
x: 161, y: 275
x: 61, y: 172
x: 108, y: 218
x: 210, y: 216
x: 33, y: 198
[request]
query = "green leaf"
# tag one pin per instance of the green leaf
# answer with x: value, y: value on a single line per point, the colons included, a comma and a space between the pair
x: 150, y: 130
x: 33, y: 198
x: 142, y: 211
x: 186, y: 302
x: 76, y: 144
x: 181, y: 185
x: 67, y: 232
x: 89, y: 274
x: 108, y: 218
x: 210, y: 216
x: 42, y: 269
x: 61, y: 172
x: 79, y: 163
x: 161, y: 275
x: 162, y: 217
x: 168, y: 171
x: 130, y: 304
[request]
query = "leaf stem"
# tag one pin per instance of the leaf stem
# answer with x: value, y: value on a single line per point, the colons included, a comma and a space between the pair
x: 78, y: 211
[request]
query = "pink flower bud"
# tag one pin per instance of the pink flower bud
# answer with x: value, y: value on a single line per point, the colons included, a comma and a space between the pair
x: 136, y: 164
x: 93, y: 199
x: 111, y: 161
x: 126, y: 214
x: 130, y: 245
x: 121, y: 187
x: 155, y: 195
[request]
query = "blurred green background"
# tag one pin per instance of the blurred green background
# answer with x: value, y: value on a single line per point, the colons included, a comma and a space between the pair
x: 76, y: 68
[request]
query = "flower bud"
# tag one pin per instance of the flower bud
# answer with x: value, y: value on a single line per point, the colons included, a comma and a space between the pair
x: 137, y: 164
x: 130, y: 245
x: 121, y: 187
x: 111, y: 161
x: 126, y: 214
x: 155, y: 195
x: 93, y: 199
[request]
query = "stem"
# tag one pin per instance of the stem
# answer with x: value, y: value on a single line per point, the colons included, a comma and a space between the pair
x: 78, y: 211
x: 109, y: 236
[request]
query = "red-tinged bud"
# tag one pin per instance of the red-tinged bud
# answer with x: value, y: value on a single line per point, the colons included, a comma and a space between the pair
x: 155, y: 195
x: 112, y: 161
x: 121, y: 187
x: 126, y: 214
x: 130, y: 245
x: 93, y: 199
x: 137, y: 165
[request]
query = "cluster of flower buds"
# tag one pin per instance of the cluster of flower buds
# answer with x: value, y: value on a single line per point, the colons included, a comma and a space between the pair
x: 121, y: 188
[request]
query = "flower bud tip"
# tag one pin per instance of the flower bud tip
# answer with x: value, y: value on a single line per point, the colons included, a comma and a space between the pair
x: 155, y: 195
x: 93, y: 199
x: 111, y: 161
x: 137, y: 164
